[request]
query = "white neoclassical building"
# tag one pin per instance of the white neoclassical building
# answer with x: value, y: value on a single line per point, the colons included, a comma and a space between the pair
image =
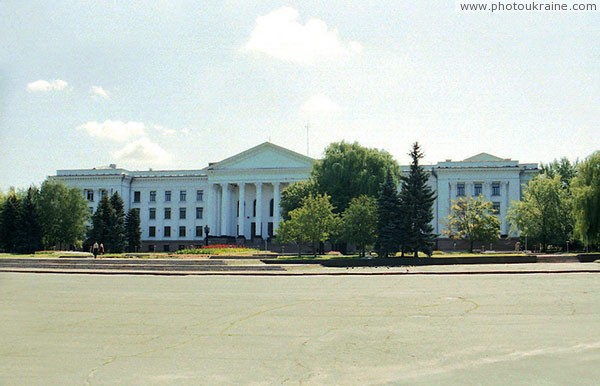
x: 240, y: 196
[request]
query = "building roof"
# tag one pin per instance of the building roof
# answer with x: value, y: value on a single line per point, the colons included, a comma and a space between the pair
x: 484, y: 157
x: 265, y: 155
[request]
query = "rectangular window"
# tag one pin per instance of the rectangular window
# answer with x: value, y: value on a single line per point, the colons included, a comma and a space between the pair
x: 182, y: 213
x: 137, y: 196
x: 91, y: 210
x: 167, y: 231
x: 152, y: 213
x: 152, y: 232
x: 167, y: 213
x: 496, y: 208
x: 199, y: 213
x: 478, y: 190
x: 181, y: 231
x: 89, y: 195
x: 199, y: 231
x: 103, y: 193
x: 270, y: 228
x: 460, y: 190
x: 152, y: 195
x: 496, y: 189
x: 167, y: 195
x: 199, y: 195
x: 182, y: 195
x: 166, y: 248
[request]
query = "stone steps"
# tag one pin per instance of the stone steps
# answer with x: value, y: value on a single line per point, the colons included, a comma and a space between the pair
x: 557, y: 259
x: 149, y: 265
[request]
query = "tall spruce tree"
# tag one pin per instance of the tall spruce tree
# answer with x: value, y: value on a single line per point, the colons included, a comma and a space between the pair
x: 416, y: 200
x: 8, y: 225
x: 133, y: 230
x: 28, y: 236
x: 388, y: 213
x: 118, y: 237
x: 102, y: 219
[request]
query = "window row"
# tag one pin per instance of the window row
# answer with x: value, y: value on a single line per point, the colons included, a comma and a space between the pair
x: 137, y: 195
x: 88, y: 194
x: 477, y: 189
x: 182, y: 231
x: 271, y: 208
x: 182, y: 213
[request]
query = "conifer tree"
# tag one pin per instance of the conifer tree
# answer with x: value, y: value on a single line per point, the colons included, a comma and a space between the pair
x: 388, y: 213
x: 28, y: 233
x: 133, y: 231
x: 118, y: 238
x: 416, y: 198
x: 8, y: 225
x: 102, y: 219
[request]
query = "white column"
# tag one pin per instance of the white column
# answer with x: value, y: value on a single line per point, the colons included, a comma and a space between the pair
x: 504, y: 210
x: 276, y: 209
x: 241, y: 211
x: 258, y: 218
x: 209, y: 208
x: 225, y: 210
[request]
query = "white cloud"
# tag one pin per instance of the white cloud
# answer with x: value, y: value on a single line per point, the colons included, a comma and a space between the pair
x: 113, y: 130
x: 281, y: 35
x: 44, y: 85
x: 99, y: 91
x: 320, y: 104
x: 142, y: 153
x: 165, y: 131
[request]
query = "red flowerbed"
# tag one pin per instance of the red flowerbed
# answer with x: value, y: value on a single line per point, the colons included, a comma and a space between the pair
x: 221, y: 246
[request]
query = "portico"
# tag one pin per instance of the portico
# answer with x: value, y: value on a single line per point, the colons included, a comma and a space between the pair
x: 247, y: 189
x: 248, y: 209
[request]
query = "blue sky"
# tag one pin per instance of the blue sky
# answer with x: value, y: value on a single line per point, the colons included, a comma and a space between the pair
x: 178, y: 84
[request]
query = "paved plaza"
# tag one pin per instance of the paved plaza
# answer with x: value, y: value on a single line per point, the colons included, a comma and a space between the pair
x: 498, y: 329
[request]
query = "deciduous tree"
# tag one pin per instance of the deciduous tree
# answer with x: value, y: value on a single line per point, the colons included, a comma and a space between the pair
x: 473, y: 219
x: 63, y: 215
x: 313, y: 222
x: 563, y: 168
x: 586, y: 195
x: 359, y: 222
x: 544, y: 215
x: 293, y: 196
x: 349, y: 170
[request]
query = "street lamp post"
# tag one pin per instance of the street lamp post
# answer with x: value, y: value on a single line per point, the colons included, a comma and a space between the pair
x: 206, y: 233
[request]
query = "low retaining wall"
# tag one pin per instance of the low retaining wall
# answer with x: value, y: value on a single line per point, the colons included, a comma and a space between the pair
x: 408, y: 261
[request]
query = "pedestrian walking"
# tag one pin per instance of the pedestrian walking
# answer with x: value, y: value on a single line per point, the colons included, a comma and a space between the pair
x: 95, y: 249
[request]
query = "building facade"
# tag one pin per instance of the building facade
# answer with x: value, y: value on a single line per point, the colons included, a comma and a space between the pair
x: 240, y: 195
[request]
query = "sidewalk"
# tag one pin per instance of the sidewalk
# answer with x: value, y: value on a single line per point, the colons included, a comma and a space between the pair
x: 258, y: 268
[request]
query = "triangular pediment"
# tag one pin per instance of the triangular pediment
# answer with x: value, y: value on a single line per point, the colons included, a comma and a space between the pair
x: 484, y: 157
x: 264, y: 156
